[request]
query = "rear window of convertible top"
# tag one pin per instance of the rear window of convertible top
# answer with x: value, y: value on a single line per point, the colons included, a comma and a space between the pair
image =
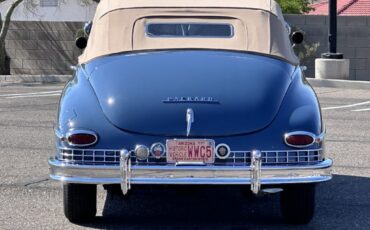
x: 196, y: 30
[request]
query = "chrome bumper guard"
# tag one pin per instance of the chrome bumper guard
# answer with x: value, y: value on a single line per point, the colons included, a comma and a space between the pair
x: 127, y: 174
x: 256, y: 165
x: 125, y: 168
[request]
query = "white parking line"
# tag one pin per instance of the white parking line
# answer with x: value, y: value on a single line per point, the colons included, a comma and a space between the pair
x: 361, y: 110
x: 26, y: 94
x: 38, y: 95
x: 346, y: 106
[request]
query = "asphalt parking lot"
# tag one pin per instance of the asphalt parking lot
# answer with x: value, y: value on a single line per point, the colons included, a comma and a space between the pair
x: 29, y: 200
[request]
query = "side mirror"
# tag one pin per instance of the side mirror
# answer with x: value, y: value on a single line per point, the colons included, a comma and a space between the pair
x: 87, y: 28
x: 297, y: 37
x: 288, y: 28
x: 81, y: 42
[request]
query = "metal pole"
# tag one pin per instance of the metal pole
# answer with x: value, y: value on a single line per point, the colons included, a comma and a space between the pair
x: 333, y: 26
x: 332, y: 54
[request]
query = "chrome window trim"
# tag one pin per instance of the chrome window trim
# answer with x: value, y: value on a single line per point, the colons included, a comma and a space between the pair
x: 49, y: 3
x: 315, y: 138
x: 232, y: 30
x: 80, y: 131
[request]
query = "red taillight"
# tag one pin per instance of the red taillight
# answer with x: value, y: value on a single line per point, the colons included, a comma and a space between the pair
x: 299, y: 140
x: 81, y: 139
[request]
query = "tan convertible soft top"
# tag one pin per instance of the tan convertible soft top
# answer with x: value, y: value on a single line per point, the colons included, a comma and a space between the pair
x: 120, y: 26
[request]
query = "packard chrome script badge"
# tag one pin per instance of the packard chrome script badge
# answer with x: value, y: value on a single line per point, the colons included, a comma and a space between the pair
x: 205, y: 100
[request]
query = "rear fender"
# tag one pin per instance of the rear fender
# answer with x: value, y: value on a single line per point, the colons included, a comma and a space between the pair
x: 300, y: 110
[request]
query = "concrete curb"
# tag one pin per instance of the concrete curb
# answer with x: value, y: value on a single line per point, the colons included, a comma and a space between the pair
x: 41, y: 79
x: 344, y: 84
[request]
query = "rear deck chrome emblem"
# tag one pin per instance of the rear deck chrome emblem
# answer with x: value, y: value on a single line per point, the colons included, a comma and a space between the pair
x: 189, y: 120
x: 204, y: 100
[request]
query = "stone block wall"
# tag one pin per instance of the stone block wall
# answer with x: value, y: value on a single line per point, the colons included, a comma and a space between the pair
x: 48, y: 47
x: 42, y: 47
x: 353, y: 40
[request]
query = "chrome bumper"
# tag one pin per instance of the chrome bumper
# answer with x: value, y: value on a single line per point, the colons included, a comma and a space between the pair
x: 125, y: 174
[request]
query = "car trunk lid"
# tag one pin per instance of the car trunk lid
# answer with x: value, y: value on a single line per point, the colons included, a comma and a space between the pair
x: 229, y: 93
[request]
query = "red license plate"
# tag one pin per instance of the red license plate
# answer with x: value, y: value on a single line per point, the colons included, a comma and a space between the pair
x: 190, y: 151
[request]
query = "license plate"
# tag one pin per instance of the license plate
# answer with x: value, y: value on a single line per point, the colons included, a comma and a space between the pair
x: 190, y: 151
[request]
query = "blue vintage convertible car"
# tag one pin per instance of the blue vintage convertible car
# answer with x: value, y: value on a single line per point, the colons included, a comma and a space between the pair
x: 196, y: 92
